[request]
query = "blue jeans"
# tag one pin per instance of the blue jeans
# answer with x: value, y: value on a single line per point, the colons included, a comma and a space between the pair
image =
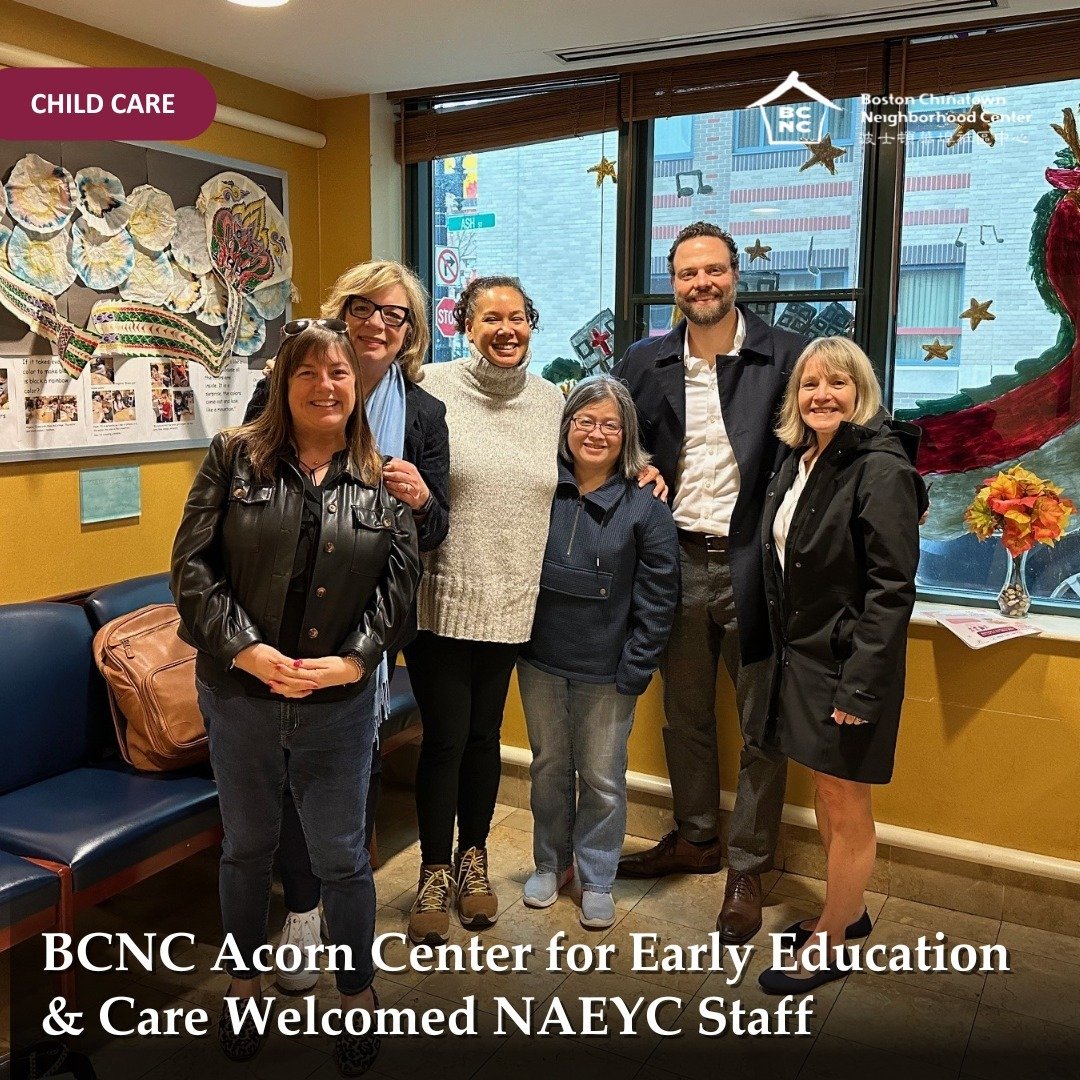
x: 577, y: 728
x: 323, y: 753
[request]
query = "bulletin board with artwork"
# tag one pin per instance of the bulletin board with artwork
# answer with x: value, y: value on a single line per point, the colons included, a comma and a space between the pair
x: 142, y: 287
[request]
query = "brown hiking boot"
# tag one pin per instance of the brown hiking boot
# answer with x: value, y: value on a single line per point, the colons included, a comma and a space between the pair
x: 673, y: 855
x: 740, y: 917
x: 477, y: 905
x: 429, y: 919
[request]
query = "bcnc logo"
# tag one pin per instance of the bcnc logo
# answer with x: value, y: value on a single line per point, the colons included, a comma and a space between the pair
x: 795, y: 123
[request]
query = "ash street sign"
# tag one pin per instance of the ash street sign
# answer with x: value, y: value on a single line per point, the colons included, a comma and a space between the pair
x: 467, y: 222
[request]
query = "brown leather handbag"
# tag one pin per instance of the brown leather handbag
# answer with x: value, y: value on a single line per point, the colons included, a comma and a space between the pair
x: 150, y: 673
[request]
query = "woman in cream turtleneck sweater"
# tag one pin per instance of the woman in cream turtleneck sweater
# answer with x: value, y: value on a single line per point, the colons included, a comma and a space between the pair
x: 478, y: 594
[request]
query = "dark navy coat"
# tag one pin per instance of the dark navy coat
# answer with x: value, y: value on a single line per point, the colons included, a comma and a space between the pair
x: 751, y: 387
x: 608, y: 587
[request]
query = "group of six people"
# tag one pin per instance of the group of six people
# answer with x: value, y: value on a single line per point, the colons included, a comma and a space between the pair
x: 482, y: 523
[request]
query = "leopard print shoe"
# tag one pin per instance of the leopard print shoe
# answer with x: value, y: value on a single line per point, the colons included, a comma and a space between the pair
x: 355, y: 1054
x: 242, y: 1044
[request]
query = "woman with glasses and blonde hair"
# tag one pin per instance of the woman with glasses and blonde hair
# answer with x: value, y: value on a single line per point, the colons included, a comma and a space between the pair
x: 294, y: 571
x: 608, y: 587
x: 384, y: 306
x: 840, y: 538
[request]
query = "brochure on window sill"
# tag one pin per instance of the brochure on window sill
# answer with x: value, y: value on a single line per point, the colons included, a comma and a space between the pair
x: 978, y: 628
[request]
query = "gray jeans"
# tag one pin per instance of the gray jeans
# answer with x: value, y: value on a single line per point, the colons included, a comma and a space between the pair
x: 705, y: 631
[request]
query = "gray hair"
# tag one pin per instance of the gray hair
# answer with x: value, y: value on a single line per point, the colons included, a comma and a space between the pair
x: 632, y: 455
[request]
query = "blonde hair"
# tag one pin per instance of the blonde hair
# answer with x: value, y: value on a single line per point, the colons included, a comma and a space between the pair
x: 835, y: 355
x: 371, y: 277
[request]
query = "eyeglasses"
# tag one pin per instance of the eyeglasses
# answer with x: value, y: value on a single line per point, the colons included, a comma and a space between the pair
x: 393, y: 315
x: 586, y: 424
x: 298, y: 326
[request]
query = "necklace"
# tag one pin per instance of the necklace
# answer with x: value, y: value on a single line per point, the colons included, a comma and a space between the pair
x: 311, y: 470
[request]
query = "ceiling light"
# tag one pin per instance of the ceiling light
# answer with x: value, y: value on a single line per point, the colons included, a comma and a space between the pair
x: 259, y: 3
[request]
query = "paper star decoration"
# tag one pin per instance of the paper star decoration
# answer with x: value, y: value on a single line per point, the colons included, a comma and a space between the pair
x: 822, y: 153
x: 604, y: 168
x: 758, y: 250
x: 937, y: 351
x: 978, y: 312
x: 976, y: 121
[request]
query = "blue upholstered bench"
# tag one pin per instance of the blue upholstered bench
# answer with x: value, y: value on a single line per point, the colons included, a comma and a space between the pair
x: 65, y: 798
x: 100, y: 824
x: 29, y: 900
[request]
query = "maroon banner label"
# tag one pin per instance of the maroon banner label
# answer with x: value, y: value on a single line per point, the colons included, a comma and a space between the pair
x: 104, y: 103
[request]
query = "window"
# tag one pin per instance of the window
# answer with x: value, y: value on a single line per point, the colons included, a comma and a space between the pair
x: 673, y: 137
x: 534, y: 212
x: 797, y: 232
x: 928, y: 131
x: 979, y: 344
x: 984, y: 330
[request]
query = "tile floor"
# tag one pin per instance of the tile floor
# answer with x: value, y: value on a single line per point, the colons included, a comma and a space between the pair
x: 1024, y: 1024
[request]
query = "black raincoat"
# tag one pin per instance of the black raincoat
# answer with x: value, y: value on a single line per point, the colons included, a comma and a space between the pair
x: 839, y: 609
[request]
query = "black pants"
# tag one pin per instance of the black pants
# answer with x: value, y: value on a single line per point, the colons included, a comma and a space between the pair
x: 461, y: 688
x: 302, y: 889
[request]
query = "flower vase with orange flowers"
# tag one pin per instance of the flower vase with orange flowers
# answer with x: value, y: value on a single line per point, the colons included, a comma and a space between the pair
x: 1024, y: 511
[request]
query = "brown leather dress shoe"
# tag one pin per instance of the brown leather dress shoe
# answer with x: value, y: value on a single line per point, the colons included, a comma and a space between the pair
x: 673, y: 855
x: 740, y: 917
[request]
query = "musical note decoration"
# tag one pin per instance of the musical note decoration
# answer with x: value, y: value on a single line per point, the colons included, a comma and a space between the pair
x: 993, y: 229
x: 684, y: 191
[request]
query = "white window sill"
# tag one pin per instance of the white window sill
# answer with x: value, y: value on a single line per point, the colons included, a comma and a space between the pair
x: 1053, y: 627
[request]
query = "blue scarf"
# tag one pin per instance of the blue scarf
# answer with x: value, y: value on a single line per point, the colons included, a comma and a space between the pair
x: 385, y: 408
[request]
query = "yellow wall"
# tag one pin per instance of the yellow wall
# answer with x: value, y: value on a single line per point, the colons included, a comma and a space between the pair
x: 989, y: 745
x: 44, y: 551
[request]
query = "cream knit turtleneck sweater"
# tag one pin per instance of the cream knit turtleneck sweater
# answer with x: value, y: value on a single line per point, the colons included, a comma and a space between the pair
x: 482, y: 581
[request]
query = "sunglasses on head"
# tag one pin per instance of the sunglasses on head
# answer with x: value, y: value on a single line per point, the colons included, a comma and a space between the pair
x: 298, y: 326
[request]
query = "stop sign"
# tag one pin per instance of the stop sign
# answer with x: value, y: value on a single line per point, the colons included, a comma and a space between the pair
x: 444, y: 317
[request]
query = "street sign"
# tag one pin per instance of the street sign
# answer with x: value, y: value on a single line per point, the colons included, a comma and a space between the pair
x: 444, y: 317
x: 447, y: 265
x: 465, y: 222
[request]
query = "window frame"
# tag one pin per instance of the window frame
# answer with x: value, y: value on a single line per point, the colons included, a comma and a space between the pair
x: 874, y: 291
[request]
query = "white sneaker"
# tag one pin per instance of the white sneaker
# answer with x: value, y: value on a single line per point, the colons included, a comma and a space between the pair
x: 301, y: 929
x: 597, y: 910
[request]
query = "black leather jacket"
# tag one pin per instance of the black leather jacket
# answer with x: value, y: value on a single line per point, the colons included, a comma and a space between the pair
x: 233, y: 556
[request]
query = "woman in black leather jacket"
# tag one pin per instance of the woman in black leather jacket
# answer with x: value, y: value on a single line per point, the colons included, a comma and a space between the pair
x: 294, y: 570
x: 384, y: 305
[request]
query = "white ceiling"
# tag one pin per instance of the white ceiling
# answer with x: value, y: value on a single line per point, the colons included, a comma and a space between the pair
x: 334, y: 48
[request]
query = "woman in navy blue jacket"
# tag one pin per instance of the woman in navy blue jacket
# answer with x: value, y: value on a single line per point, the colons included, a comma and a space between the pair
x: 608, y: 589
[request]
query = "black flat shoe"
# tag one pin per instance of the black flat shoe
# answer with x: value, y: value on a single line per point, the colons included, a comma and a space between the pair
x: 774, y: 981
x: 858, y: 929
x: 355, y: 1054
x: 240, y: 1045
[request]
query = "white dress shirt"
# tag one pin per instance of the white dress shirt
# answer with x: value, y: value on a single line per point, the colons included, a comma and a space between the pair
x: 707, y: 479
x: 782, y: 521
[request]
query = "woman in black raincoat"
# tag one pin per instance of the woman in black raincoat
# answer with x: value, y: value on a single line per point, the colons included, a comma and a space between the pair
x: 840, y: 540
